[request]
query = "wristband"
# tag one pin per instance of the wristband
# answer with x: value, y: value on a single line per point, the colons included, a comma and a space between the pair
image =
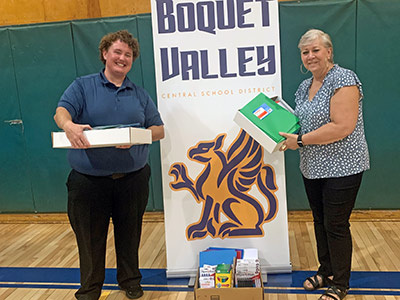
x: 299, y: 140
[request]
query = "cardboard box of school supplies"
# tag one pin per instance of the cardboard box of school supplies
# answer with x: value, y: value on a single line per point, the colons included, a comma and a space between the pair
x: 218, y: 271
x: 231, y: 293
x: 108, y: 137
x: 263, y: 118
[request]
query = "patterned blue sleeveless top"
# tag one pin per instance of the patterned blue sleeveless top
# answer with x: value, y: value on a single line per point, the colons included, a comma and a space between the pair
x: 342, y: 158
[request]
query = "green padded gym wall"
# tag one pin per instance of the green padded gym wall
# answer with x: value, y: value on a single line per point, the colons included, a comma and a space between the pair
x: 43, y: 59
x: 378, y: 65
x: 15, y: 184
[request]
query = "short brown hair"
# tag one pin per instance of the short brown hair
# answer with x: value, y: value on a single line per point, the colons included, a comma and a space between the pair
x: 123, y: 36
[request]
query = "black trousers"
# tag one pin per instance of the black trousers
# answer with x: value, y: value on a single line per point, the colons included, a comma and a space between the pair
x: 331, y: 201
x: 92, y: 200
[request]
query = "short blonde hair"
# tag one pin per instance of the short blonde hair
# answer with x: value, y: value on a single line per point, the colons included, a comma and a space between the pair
x: 313, y: 34
x: 123, y: 36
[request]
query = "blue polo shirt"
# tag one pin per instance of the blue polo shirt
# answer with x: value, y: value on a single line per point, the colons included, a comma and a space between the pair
x: 93, y: 100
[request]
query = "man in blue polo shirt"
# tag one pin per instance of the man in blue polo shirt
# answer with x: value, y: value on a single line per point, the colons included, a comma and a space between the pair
x: 113, y: 181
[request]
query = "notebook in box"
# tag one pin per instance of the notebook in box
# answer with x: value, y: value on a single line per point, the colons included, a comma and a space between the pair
x: 270, y: 117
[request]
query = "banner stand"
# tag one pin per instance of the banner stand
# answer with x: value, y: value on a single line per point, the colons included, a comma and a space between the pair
x: 220, y: 188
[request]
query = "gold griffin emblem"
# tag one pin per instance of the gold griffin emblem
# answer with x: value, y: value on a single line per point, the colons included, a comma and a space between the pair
x: 223, y: 187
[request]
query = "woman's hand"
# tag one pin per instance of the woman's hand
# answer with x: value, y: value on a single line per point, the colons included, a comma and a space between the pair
x: 290, y: 142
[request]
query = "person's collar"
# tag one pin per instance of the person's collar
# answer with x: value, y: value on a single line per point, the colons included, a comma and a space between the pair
x: 103, y: 78
x: 125, y: 84
x: 330, y: 70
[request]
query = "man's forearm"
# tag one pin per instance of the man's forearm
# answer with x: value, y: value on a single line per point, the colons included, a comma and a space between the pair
x: 62, y: 117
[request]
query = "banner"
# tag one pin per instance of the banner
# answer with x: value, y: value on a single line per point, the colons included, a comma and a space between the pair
x: 220, y: 187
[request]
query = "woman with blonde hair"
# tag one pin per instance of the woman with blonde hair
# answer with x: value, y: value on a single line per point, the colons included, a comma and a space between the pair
x: 333, y: 156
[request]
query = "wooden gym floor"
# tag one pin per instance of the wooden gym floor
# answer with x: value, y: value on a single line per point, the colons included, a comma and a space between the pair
x: 39, y: 259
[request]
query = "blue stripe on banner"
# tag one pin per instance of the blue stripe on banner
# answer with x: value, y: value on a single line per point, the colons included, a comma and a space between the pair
x: 156, y: 280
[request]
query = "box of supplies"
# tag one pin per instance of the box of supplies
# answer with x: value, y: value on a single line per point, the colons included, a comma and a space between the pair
x: 219, y: 274
x: 230, y: 293
x: 109, y: 137
x: 263, y: 118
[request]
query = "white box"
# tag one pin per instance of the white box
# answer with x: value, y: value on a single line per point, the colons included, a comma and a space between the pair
x: 107, y: 137
x: 256, y: 133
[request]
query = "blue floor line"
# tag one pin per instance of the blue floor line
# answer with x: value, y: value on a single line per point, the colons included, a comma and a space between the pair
x: 156, y: 280
x: 187, y: 289
x: 358, y: 280
x: 318, y: 292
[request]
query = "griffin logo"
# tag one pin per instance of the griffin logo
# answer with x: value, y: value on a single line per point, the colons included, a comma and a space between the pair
x: 223, y: 187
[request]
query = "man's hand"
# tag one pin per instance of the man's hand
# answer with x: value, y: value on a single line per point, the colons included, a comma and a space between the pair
x: 73, y: 131
x: 75, y: 135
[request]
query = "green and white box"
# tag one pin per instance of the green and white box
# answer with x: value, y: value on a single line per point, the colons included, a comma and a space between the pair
x: 263, y: 118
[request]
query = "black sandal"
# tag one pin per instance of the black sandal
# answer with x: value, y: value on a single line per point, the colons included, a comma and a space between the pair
x: 315, y: 282
x: 334, y: 293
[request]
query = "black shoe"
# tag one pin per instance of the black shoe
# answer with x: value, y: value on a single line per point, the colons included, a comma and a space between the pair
x: 90, y: 296
x: 86, y: 298
x: 133, y: 292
